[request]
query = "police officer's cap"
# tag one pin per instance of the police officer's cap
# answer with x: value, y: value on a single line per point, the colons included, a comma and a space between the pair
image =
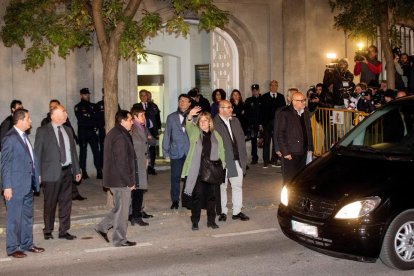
x: 255, y: 86
x: 85, y: 91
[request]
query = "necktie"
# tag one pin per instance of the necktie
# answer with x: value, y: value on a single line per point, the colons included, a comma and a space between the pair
x: 145, y: 106
x: 62, y: 148
x: 25, y: 139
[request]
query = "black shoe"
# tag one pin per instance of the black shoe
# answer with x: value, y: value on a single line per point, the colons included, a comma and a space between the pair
x: 128, y: 243
x: 194, y: 227
x: 67, y: 236
x: 48, y: 236
x: 174, y: 205
x: 139, y: 221
x: 145, y: 215
x: 212, y: 225
x: 79, y: 197
x: 85, y: 175
x: 222, y: 217
x: 151, y: 171
x: 254, y: 162
x: 102, y: 235
x: 240, y: 216
x: 99, y: 174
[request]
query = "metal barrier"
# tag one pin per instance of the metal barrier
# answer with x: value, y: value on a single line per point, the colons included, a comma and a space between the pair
x: 331, y: 124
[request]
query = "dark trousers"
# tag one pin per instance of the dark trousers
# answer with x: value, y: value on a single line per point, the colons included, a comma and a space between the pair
x: 203, y: 195
x: 137, y: 199
x: 267, y: 139
x: 54, y: 193
x: 19, y: 223
x: 176, y: 168
x: 101, y: 136
x: 152, y: 153
x: 88, y: 137
x: 255, y: 157
x: 291, y: 167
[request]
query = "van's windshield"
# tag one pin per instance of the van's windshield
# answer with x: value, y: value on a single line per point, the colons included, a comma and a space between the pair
x: 387, y: 131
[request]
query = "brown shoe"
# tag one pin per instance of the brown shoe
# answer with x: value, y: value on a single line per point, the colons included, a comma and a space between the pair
x: 17, y: 254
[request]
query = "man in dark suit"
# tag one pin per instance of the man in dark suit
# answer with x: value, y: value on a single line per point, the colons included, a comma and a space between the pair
x: 152, y: 114
x: 271, y: 101
x: 55, y: 149
x: 20, y: 179
x: 119, y: 175
x: 232, y: 133
x: 294, y: 136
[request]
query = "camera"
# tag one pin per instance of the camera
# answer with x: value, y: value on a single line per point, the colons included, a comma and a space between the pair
x: 367, y: 92
x: 312, y: 92
x: 347, y: 92
x: 360, y: 55
x: 332, y: 65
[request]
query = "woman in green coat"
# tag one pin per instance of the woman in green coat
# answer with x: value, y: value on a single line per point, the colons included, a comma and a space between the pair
x: 204, y: 143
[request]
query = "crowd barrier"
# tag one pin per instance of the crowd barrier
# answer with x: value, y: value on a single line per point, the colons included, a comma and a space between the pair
x: 331, y: 124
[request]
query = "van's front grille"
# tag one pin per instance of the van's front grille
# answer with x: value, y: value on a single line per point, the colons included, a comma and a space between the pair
x: 311, y: 206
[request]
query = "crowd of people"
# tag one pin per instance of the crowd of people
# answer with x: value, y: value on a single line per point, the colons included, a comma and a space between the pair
x: 338, y: 89
x: 199, y: 136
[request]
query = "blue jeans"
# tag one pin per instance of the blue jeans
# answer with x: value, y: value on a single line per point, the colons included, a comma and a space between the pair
x: 176, y: 168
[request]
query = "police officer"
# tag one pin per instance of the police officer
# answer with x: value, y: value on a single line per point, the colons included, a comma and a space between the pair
x: 252, y: 109
x: 100, y: 121
x: 85, y: 112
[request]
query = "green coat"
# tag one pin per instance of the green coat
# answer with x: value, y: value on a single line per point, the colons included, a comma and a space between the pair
x: 193, y: 133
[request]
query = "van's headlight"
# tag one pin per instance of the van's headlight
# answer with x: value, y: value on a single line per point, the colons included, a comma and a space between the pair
x: 358, y: 209
x: 284, y: 197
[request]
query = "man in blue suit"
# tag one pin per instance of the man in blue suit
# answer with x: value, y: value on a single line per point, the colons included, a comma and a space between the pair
x: 175, y: 145
x: 20, y: 179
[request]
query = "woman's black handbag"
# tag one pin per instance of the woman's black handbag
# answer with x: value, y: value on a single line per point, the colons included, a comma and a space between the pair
x: 212, y: 172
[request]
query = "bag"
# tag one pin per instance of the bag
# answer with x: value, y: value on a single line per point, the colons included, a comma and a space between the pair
x: 260, y: 140
x: 212, y: 172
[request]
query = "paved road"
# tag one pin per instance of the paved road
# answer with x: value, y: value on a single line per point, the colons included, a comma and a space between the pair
x: 169, y: 247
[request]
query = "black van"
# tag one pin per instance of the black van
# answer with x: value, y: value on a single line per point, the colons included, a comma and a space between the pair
x: 357, y: 200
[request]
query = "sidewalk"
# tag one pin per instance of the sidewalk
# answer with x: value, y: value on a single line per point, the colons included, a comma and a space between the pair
x: 261, y: 187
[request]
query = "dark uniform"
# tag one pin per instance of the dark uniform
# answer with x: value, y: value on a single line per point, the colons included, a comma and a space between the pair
x: 85, y: 112
x: 100, y: 122
x: 252, y: 107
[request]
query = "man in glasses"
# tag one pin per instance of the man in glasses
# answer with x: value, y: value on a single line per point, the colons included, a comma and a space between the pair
x: 294, y: 136
x: 232, y: 133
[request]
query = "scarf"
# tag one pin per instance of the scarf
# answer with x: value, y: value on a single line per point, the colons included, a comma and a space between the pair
x: 194, y: 169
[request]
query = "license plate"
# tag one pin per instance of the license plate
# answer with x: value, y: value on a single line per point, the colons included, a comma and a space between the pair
x: 304, y: 228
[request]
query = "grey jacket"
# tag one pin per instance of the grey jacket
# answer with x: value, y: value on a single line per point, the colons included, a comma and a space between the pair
x: 46, y: 149
x: 238, y: 134
x: 140, y: 141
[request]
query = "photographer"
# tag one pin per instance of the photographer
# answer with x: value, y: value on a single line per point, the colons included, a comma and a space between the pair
x: 338, y: 79
x: 367, y: 65
x: 319, y: 97
x: 365, y: 103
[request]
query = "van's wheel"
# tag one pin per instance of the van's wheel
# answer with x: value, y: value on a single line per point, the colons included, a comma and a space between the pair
x: 398, y: 245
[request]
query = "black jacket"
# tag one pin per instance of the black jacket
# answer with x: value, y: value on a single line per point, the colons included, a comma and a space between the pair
x: 290, y: 136
x: 269, y: 106
x: 119, y: 159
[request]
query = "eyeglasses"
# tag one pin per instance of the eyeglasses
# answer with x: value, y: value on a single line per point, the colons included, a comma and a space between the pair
x: 228, y: 107
x: 302, y: 101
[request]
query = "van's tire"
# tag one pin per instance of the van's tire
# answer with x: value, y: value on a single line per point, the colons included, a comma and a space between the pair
x: 398, y: 246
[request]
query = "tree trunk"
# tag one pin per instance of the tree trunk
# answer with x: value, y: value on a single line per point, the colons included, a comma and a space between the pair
x: 386, y: 47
